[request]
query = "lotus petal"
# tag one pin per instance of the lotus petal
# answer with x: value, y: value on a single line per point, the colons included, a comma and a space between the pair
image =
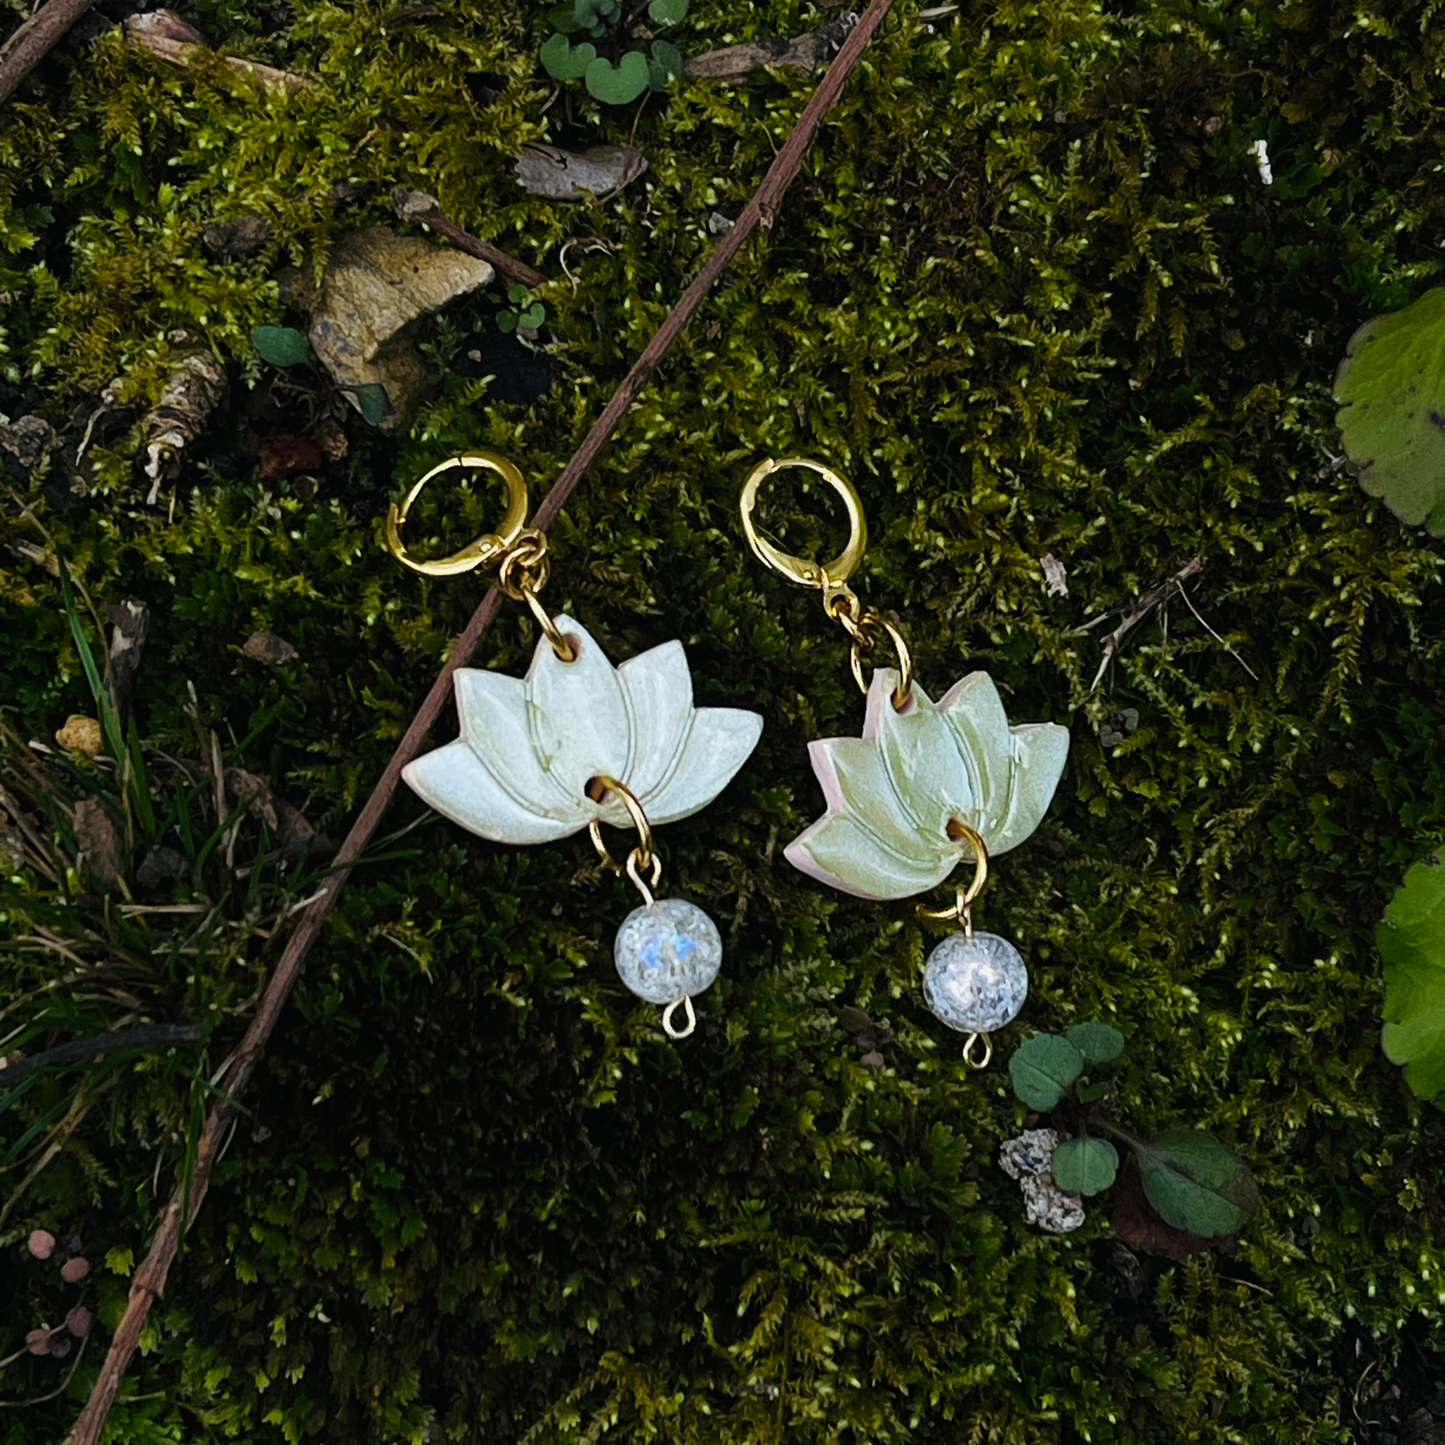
x: 719, y: 742
x: 454, y: 782
x: 892, y: 793
x: 529, y: 747
x: 659, y: 689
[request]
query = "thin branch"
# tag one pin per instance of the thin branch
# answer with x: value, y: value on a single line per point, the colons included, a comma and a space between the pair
x: 35, y: 39
x: 145, y: 1036
x: 418, y: 206
x: 150, y: 1277
x: 1141, y: 609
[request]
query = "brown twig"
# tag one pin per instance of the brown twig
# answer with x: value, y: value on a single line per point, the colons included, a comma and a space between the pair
x: 150, y: 1277
x: 418, y: 206
x: 1153, y: 598
x: 34, y: 40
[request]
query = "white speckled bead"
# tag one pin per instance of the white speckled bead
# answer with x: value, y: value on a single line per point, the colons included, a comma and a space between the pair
x: 975, y: 985
x: 668, y: 950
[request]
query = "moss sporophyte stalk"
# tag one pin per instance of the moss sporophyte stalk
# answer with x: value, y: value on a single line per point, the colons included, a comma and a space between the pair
x: 1031, y: 294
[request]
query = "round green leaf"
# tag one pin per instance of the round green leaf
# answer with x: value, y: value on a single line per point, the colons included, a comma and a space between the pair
x: 1196, y: 1183
x: 281, y: 345
x: 616, y: 85
x: 1099, y: 1043
x: 1411, y: 939
x: 1042, y: 1068
x: 1085, y: 1166
x: 566, y: 17
x: 667, y: 12
x: 1391, y: 391
x: 565, y: 61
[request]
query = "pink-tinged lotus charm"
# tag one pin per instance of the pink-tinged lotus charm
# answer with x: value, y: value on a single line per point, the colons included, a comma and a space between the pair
x: 893, y: 792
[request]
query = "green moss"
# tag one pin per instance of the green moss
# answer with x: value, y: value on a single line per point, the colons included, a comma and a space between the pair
x: 1034, y: 300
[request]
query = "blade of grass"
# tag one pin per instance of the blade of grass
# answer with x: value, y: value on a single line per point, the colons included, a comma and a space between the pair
x: 140, y: 787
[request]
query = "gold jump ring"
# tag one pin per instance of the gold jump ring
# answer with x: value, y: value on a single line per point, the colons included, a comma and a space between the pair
x: 960, y: 831
x: 597, y: 788
x: 483, y: 549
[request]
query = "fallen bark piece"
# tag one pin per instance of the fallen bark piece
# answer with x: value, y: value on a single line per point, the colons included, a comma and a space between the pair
x: 165, y: 35
x: 292, y: 833
x: 100, y: 841
x: 196, y: 387
x: 129, y: 622
x: 242, y: 236
x: 269, y: 649
x: 572, y: 176
x: 34, y: 39
x: 803, y: 52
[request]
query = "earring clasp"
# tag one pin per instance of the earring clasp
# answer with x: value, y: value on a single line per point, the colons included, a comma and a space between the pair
x: 799, y: 569
x: 486, y: 548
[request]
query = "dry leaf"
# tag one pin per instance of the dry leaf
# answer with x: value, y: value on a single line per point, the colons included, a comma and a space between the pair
x: 284, y: 454
x: 288, y: 827
x: 377, y: 285
x: 569, y: 176
x: 80, y: 734
x: 1055, y: 575
x: 1140, y: 1225
x: 195, y: 388
x: 100, y: 840
x: 268, y: 648
x: 803, y: 52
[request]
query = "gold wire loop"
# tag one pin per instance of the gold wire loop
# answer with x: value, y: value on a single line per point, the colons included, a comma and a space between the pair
x: 635, y: 865
x: 968, y: 1047
x: 963, y: 899
x: 522, y: 575
x: 483, y: 549
x: 862, y: 638
x: 685, y: 1004
x: 799, y: 569
x: 642, y: 854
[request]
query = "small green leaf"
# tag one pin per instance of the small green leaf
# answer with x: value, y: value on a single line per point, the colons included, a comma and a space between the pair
x: 619, y: 84
x: 1042, y: 1069
x: 666, y: 65
x: 569, y: 17
x: 373, y: 401
x: 564, y: 61
x: 1391, y: 391
x: 281, y: 345
x: 668, y: 12
x: 1196, y: 1183
x: 1099, y: 1043
x: 516, y: 292
x: 1411, y: 940
x: 507, y: 320
x: 1085, y: 1166
x: 533, y: 316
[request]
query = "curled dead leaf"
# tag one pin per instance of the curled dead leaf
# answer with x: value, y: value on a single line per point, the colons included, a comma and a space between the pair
x: 270, y: 649
x: 80, y: 734
x: 100, y: 841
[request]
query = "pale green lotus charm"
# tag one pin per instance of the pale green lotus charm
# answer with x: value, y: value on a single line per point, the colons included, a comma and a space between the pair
x: 893, y: 793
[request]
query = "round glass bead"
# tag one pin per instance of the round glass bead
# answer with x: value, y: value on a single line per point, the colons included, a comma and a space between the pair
x: 975, y: 985
x: 668, y: 950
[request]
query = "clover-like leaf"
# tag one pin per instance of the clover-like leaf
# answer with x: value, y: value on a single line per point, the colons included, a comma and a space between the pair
x: 1196, y: 1183
x: 1391, y: 391
x: 667, y: 12
x: 894, y: 794
x: 618, y: 84
x: 565, y: 61
x: 281, y: 345
x: 529, y: 747
x: 1085, y: 1166
x: 1411, y: 939
x: 1043, y: 1068
x: 665, y: 66
x: 1099, y: 1043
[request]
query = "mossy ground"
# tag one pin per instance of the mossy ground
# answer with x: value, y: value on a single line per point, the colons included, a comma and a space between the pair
x: 1031, y: 293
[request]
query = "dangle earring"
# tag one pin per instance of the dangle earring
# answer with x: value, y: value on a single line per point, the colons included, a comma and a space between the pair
x: 926, y: 787
x: 578, y: 743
